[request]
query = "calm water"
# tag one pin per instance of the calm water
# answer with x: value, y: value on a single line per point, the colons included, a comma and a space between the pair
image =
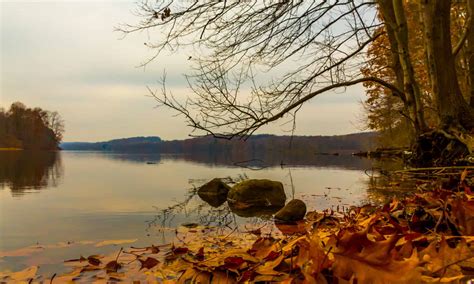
x: 52, y: 198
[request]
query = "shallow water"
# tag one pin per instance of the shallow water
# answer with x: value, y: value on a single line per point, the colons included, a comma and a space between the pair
x: 61, y: 199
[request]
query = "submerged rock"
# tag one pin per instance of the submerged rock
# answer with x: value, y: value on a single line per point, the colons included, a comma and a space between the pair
x: 261, y: 193
x: 255, y: 211
x: 293, y: 211
x: 214, y: 192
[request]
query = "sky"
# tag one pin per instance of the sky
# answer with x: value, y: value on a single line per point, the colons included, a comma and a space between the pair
x: 65, y: 56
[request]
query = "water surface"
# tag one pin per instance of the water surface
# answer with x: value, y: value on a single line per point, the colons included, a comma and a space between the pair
x: 49, y: 198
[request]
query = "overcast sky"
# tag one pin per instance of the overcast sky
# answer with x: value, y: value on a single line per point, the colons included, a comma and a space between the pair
x: 65, y: 56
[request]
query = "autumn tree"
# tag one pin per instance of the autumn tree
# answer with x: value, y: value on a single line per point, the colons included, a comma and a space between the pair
x: 307, y: 48
x: 23, y: 127
x: 387, y: 113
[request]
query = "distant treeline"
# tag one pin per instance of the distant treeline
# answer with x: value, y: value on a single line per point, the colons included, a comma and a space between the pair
x: 258, y: 143
x: 30, y: 128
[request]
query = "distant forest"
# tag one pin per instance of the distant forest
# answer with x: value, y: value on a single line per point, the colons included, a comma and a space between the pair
x: 30, y: 128
x: 257, y: 143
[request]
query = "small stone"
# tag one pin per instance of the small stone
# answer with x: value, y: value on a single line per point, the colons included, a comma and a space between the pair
x: 214, y: 192
x: 295, y: 210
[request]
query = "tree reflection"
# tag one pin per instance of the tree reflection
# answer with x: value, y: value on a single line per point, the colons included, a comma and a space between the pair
x: 21, y: 171
x: 193, y: 210
x: 383, y: 185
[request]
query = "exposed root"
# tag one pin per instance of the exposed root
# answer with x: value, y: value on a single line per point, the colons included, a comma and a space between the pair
x: 442, y: 148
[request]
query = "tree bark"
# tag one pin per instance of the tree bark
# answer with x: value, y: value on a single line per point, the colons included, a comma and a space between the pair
x: 452, y: 108
x: 397, y: 30
x: 396, y: 66
x: 470, y: 50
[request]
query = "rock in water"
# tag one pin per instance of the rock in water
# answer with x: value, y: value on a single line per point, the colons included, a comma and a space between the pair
x: 257, y: 193
x: 261, y: 212
x: 293, y: 211
x: 214, y: 192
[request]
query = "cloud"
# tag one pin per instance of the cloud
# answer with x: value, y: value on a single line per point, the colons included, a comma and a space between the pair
x: 65, y: 56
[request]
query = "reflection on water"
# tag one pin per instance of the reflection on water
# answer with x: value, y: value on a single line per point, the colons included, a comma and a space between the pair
x: 251, y: 159
x: 145, y: 196
x: 382, y: 185
x: 22, y: 171
x: 268, y: 159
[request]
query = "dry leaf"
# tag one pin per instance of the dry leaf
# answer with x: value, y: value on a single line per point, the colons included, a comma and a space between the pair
x: 114, y: 242
x: 148, y: 263
x: 25, y: 274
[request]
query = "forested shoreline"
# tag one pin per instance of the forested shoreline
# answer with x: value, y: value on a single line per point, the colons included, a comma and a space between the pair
x: 258, y: 143
x: 30, y: 128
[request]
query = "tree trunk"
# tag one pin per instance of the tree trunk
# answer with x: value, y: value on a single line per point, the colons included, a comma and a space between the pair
x: 397, y: 30
x: 470, y: 51
x: 395, y: 65
x: 453, y: 110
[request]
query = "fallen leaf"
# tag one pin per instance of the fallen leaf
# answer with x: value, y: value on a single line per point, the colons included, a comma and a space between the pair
x: 200, y: 254
x: 180, y: 250
x: 114, y: 242
x: 22, y: 252
x: 25, y: 274
x: 81, y: 259
x: 233, y: 262
x: 112, y: 266
x: 94, y: 260
x: 441, y: 257
x: 262, y: 247
x: 268, y: 267
x: 220, y: 277
x: 148, y: 263
x: 366, y: 268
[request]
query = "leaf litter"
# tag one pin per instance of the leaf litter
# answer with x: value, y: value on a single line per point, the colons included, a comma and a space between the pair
x: 425, y: 237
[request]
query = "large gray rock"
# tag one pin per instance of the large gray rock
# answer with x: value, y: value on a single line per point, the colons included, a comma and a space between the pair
x: 295, y: 210
x: 214, y: 192
x: 262, y: 193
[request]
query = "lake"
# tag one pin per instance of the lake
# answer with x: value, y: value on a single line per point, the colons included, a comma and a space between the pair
x: 62, y: 205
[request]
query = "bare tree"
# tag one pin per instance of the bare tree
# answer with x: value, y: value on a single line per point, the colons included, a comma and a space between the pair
x: 56, y: 124
x: 307, y: 48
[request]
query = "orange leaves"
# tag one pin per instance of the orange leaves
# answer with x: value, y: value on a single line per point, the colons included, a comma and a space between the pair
x: 372, y: 270
x: 424, y: 238
x: 446, y: 258
x: 375, y: 263
x: 313, y: 256
x: 114, y: 242
x: 24, y: 275
x: 462, y: 215
x: 263, y: 247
